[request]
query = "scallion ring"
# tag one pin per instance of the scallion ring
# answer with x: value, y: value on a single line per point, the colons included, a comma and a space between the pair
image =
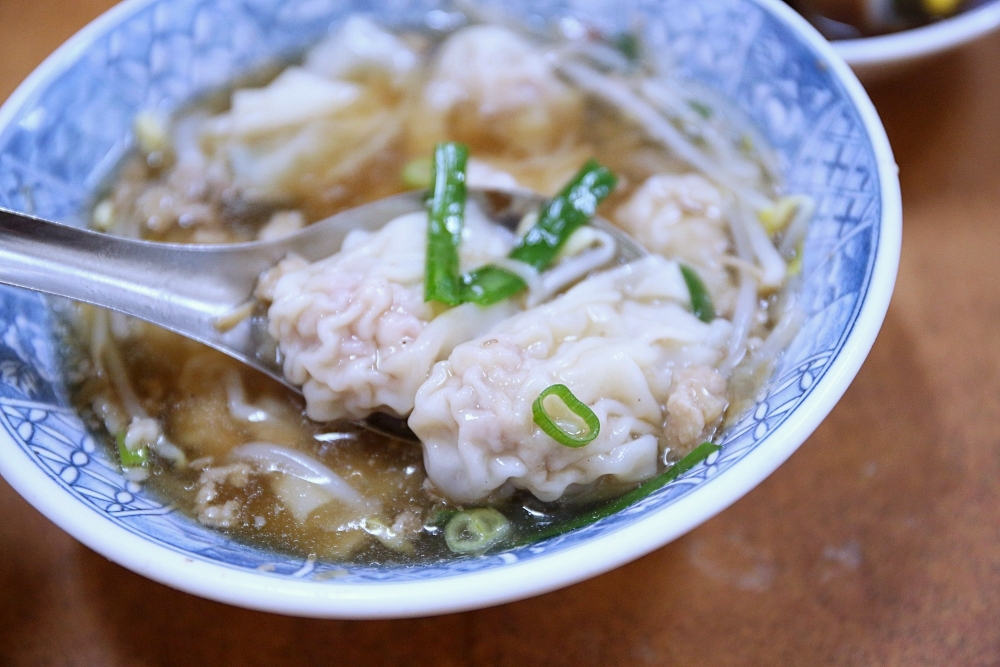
x: 129, y: 458
x: 576, y: 406
x: 472, y: 531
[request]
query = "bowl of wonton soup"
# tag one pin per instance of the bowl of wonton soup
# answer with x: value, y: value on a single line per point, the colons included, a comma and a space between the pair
x: 69, y: 128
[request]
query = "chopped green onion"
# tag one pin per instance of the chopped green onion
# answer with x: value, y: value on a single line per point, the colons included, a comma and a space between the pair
x: 776, y: 218
x: 647, y: 488
x: 152, y: 132
x: 418, y: 173
x: 444, y: 227
x: 131, y: 459
x: 103, y: 217
x: 558, y: 219
x: 476, y: 530
x: 700, y: 108
x: 564, y: 214
x: 795, y: 264
x: 576, y: 406
x: 629, y: 45
x: 490, y: 284
x: 442, y: 517
x: 701, y: 301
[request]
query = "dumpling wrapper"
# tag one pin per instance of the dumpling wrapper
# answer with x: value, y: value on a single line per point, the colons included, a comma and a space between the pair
x: 624, y: 342
x: 354, y: 329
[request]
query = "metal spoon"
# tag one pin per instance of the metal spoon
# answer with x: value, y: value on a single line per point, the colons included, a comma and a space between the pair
x: 205, y: 292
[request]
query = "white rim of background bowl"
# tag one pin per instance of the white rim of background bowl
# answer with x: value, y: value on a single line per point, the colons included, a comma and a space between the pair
x: 920, y: 42
x: 453, y: 593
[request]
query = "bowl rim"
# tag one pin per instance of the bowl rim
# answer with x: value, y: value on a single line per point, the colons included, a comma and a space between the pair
x: 518, y: 580
x: 920, y: 42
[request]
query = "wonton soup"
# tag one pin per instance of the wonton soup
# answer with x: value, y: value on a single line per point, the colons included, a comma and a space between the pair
x: 548, y: 384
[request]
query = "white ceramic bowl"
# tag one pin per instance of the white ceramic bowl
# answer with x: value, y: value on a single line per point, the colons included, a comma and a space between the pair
x: 886, y: 55
x: 67, y: 126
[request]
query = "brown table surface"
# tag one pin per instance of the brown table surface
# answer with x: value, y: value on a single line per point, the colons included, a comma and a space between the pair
x: 876, y: 544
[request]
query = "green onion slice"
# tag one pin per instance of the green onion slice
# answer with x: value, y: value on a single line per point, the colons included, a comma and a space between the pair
x: 647, y: 488
x: 700, y: 108
x: 475, y: 530
x: 442, y: 517
x: 629, y: 45
x: 131, y: 459
x: 490, y: 284
x: 446, y: 217
x: 701, y: 301
x: 576, y: 406
x: 558, y: 219
x: 564, y: 214
x: 418, y: 173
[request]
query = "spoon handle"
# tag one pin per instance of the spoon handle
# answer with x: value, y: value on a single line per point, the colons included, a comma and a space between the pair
x: 187, y: 288
x: 154, y: 281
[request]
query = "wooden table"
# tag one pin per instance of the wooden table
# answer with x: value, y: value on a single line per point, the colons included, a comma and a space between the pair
x: 878, y: 543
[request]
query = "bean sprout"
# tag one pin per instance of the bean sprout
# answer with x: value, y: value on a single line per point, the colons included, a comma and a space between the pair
x: 269, y: 457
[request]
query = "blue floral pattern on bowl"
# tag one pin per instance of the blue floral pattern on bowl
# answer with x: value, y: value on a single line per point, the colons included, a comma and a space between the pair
x: 70, y: 133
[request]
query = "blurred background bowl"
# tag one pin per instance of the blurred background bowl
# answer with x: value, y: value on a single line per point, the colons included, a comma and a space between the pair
x: 874, y: 58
